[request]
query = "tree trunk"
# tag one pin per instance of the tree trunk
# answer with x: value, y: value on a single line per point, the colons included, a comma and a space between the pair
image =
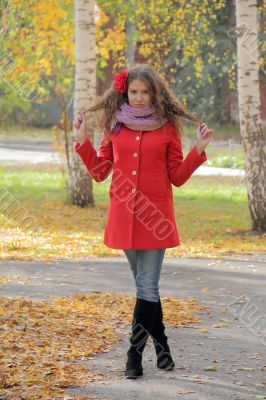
x: 253, y: 140
x: 80, y: 182
x: 130, y: 51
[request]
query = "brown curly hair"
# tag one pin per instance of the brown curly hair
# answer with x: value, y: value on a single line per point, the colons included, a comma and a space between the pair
x: 163, y: 100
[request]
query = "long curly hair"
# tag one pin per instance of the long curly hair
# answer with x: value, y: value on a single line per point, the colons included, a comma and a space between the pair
x: 163, y: 100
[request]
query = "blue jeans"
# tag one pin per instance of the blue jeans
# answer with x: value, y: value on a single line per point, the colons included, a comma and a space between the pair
x: 146, y: 267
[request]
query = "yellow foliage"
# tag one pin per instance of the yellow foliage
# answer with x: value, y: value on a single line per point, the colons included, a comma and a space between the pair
x: 44, y: 343
x: 45, y: 32
x: 43, y: 37
x: 159, y: 27
x: 198, y: 65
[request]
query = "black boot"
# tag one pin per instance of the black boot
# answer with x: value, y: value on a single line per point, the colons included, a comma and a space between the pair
x: 164, y: 358
x: 143, y: 320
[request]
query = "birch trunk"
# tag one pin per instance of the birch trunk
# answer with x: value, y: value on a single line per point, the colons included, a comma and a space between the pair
x: 130, y: 51
x: 80, y: 182
x: 253, y: 139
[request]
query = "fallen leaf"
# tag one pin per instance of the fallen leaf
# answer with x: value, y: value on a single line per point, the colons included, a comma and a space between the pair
x: 211, y: 368
x: 3, y: 382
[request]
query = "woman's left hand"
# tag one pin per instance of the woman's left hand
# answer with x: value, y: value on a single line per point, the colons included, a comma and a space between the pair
x: 204, y: 136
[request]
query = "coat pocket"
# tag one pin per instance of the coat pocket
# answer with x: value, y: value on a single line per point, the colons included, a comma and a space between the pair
x: 157, y: 186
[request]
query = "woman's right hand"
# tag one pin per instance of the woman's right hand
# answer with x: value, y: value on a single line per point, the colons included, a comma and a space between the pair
x: 79, y: 127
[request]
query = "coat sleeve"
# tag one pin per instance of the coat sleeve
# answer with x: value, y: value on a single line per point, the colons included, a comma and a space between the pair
x: 99, y: 166
x: 179, y: 169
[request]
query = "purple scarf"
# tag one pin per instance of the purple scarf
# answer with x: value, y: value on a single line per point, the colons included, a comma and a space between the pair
x: 137, y: 119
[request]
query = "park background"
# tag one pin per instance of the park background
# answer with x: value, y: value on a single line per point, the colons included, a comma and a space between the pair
x: 56, y: 56
x: 193, y: 45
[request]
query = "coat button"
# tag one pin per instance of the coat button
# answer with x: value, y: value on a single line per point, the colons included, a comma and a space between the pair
x: 137, y: 138
x: 133, y: 190
x: 134, y: 172
x: 135, y: 154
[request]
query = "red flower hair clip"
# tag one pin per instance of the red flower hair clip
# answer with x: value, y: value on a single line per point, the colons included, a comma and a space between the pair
x: 120, y: 81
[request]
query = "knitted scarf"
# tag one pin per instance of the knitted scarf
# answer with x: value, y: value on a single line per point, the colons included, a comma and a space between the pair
x: 137, y: 119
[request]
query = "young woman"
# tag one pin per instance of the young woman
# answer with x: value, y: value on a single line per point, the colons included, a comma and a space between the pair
x: 142, y: 145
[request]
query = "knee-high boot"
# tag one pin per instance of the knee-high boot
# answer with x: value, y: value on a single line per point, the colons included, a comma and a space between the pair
x: 164, y: 358
x: 143, y: 321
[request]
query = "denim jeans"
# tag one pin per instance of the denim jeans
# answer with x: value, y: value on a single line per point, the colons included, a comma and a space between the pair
x: 146, y: 268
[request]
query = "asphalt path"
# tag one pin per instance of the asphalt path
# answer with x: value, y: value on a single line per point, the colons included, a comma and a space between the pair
x: 35, y: 152
x: 223, y: 358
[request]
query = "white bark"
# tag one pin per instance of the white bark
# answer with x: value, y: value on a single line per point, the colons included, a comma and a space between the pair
x: 254, y: 142
x: 130, y: 51
x: 80, y: 182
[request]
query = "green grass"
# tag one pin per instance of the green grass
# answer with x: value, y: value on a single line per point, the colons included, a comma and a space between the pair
x: 220, y: 156
x: 224, y: 132
x: 41, y: 182
x: 212, y: 217
x: 227, y: 161
x: 34, y: 185
x: 209, y: 189
x: 30, y: 133
x: 201, y: 193
x: 16, y: 132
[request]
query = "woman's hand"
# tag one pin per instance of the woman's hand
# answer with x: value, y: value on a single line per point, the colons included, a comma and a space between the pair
x: 79, y: 127
x: 204, y: 136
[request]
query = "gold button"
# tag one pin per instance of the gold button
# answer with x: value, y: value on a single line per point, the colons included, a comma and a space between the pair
x: 133, y: 190
x: 135, y: 154
x: 137, y: 137
x: 134, y: 172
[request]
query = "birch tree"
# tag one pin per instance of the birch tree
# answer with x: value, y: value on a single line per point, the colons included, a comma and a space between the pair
x: 131, y: 29
x: 80, y: 182
x: 253, y: 139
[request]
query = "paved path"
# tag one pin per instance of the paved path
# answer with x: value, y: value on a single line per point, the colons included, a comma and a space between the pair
x: 28, y: 152
x: 234, y: 289
x: 38, y: 152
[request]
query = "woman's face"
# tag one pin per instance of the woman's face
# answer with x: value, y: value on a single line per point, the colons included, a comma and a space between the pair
x: 138, y: 94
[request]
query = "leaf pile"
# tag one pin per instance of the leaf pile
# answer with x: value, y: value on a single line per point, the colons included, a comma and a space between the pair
x: 44, y: 343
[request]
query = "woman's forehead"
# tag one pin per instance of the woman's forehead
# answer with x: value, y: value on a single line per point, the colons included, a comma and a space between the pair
x: 138, y: 84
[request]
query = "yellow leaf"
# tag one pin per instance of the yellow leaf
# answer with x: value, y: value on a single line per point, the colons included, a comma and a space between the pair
x: 3, y: 382
x: 211, y: 368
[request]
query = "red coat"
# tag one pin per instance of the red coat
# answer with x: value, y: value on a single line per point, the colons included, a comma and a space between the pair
x: 145, y: 164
